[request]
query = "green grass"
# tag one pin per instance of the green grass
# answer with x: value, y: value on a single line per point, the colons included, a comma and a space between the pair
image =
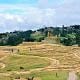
x: 58, y: 53
x: 27, y: 60
x: 51, y: 75
x: 43, y: 75
x: 13, y: 63
x: 5, y: 78
x: 78, y: 76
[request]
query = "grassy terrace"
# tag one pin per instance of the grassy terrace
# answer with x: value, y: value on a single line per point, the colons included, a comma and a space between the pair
x: 18, y: 63
x: 63, y: 54
x: 25, y: 62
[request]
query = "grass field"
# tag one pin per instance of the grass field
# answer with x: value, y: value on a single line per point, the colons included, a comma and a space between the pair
x: 43, y: 61
x: 62, y: 53
x: 13, y: 63
x: 44, y: 75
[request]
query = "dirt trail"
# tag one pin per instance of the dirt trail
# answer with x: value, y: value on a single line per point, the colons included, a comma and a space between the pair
x: 53, y: 61
x: 54, y: 64
x: 72, y: 76
x: 77, y: 54
x: 3, y: 58
x: 2, y: 64
x: 2, y: 53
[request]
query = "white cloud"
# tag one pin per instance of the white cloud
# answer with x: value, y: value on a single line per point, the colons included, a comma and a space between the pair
x: 22, y: 17
x: 9, y: 17
x: 68, y: 13
x: 30, y: 17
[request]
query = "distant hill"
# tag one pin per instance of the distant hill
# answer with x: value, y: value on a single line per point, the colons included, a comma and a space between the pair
x: 67, y: 35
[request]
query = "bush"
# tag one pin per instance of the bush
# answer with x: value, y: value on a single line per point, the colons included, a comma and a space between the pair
x: 17, y: 77
x: 37, y: 36
x: 21, y: 67
x: 68, y: 40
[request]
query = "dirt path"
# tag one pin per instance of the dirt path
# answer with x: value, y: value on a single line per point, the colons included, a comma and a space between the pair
x: 77, y: 54
x: 54, y: 64
x: 72, y: 76
x: 3, y: 58
x: 2, y: 64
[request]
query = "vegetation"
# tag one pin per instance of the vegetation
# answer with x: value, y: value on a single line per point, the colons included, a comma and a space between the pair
x: 20, y: 63
x: 69, y: 35
x: 43, y: 61
x: 44, y: 75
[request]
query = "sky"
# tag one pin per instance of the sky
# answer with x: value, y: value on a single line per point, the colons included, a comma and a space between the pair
x: 34, y: 14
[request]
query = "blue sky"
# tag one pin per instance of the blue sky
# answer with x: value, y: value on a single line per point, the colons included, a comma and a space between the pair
x: 26, y: 1
x: 33, y: 14
x: 18, y: 1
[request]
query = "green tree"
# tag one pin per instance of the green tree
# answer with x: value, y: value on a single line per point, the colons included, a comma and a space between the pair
x: 37, y: 36
x: 78, y: 38
x: 69, y: 39
x: 14, y: 40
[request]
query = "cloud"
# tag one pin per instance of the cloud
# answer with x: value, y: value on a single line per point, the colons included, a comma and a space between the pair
x: 26, y: 19
x: 23, y: 17
x: 68, y: 13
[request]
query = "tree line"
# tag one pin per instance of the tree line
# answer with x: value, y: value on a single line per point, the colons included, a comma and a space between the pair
x: 68, y: 35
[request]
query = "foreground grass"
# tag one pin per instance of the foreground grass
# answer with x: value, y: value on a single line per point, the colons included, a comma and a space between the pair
x: 78, y: 76
x: 43, y: 75
x: 18, y: 63
x: 27, y: 59
x: 61, y: 75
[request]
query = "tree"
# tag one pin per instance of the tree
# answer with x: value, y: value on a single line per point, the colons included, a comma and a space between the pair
x: 37, y: 36
x: 14, y: 40
x: 78, y: 37
x: 69, y: 39
x: 26, y: 35
x: 56, y: 31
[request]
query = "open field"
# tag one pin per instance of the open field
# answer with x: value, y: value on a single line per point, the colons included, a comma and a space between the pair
x: 43, y: 75
x: 43, y: 61
x: 18, y: 63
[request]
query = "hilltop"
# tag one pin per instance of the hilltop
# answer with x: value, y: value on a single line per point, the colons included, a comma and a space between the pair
x: 69, y: 35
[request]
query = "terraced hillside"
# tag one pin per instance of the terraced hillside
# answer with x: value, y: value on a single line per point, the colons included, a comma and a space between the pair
x: 43, y: 61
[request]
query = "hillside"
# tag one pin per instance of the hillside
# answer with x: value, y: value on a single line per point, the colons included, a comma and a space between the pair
x: 66, y: 35
x: 43, y: 61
